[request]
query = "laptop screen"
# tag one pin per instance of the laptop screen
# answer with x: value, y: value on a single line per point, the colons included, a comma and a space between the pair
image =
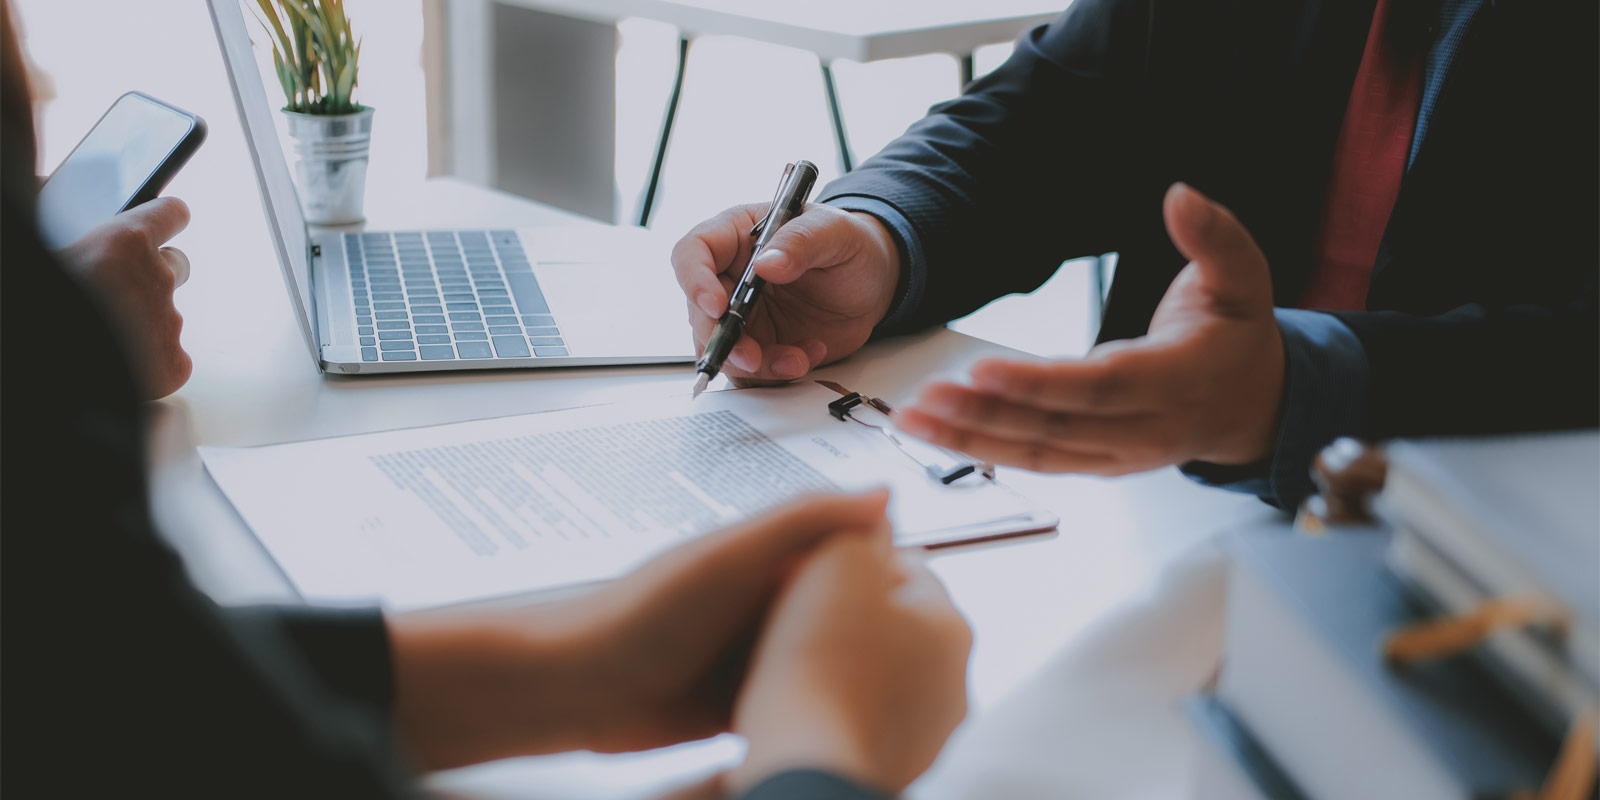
x: 277, y: 187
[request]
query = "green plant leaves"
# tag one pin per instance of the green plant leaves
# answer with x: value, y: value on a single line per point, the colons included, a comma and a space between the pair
x: 315, y: 54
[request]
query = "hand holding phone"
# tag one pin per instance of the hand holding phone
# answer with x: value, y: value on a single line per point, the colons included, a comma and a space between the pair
x: 126, y: 159
x: 125, y: 262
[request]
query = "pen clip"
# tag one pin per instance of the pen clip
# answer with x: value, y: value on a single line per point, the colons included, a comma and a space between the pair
x: 772, y: 208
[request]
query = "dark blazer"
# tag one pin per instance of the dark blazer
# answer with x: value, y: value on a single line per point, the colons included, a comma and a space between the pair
x: 1481, y: 313
x: 120, y: 678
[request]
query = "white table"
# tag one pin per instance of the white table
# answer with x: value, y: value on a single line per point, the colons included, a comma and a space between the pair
x: 254, y: 383
x: 508, y: 63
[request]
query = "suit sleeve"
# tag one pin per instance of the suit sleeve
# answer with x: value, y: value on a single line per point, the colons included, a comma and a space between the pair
x: 998, y: 175
x: 120, y: 655
x: 1325, y: 396
x: 1482, y: 370
x: 1385, y: 374
x: 346, y: 649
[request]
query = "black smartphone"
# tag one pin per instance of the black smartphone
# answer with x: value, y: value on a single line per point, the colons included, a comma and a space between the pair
x: 138, y: 145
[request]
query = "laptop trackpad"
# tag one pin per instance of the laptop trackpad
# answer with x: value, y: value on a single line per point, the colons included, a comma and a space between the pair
x: 606, y: 309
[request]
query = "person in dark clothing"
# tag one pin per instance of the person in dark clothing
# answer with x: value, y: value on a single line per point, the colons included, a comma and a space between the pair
x: 1411, y: 247
x: 842, y: 664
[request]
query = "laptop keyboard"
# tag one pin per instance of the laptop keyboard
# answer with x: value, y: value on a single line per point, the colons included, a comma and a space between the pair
x: 442, y: 295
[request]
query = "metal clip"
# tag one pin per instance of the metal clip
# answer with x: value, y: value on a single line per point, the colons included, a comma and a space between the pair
x: 841, y: 408
x: 957, y: 466
x: 772, y: 207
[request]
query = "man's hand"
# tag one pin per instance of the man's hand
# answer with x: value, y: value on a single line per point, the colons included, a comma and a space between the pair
x: 831, y: 275
x: 124, y: 262
x: 1205, y: 383
x: 861, y: 670
x: 652, y: 659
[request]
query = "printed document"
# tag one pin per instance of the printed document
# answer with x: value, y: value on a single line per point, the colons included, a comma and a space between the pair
x: 431, y: 516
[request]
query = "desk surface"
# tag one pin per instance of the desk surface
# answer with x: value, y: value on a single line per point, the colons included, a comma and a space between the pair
x: 831, y: 28
x: 254, y: 383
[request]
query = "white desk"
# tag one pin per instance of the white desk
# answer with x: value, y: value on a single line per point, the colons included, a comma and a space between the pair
x: 254, y: 383
x: 506, y: 63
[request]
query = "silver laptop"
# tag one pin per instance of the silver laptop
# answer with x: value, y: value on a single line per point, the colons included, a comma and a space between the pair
x: 374, y: 302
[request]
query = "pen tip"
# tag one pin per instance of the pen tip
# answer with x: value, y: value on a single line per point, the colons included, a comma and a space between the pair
x: 700, y: 384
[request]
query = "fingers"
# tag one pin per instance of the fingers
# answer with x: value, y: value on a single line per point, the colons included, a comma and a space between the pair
x: 815, y: 238
x: 704, y: 262
x: 158, y: 220
x: 844, y: 567
x: 774, y: 537
x: 708, y: 250
x: 168, y: 371
x: 1035, y: 455
x: 804, y: 522
x: 744, y: 359
x: 918, y: 583
x: 750, y: 364
x: 1091, y: 432
x: 779, y: 345
x: 1233, y: 270
x: 177, y: 263
x: 705, y: 592
x: 1123, y: 380
x: 777, y: 363
x: 922, y: 589
x: 1098, y: 415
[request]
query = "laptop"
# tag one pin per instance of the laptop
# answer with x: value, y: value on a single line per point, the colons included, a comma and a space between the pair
x: 407, y: 301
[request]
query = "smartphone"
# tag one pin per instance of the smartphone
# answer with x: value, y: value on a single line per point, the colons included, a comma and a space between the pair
x: 138, y: 145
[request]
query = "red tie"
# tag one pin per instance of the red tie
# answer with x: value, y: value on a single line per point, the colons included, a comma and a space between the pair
x: 1368, y: 164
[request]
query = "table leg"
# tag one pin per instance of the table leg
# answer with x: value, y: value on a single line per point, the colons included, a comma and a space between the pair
x: 647, y: 203
x: 846, y: 160
x: 966, y: 69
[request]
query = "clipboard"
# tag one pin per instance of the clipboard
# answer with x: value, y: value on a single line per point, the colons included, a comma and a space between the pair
x: 950, y: 468
x: 444, y: 514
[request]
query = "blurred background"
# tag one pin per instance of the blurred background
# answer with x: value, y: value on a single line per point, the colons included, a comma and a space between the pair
x: 728, y: 145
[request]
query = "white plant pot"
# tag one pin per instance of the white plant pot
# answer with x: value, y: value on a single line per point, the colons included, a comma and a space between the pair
x: 331, y: 164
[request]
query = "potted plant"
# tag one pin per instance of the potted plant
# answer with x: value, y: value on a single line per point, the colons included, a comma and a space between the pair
x: 316, y: 56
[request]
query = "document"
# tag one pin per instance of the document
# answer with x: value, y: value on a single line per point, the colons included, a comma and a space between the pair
x: 438, y: 515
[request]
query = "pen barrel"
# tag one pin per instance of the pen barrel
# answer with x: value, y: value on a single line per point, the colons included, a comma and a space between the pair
x: 744, y: 298
x: 723, y: 337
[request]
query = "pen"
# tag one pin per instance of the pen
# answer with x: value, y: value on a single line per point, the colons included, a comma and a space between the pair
x: 794, y: 188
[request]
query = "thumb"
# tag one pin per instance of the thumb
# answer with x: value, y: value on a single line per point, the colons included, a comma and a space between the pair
x: 806, y: 522
x: 819, y: 237
x: 729, y: 576
x: 1229, y: 266
x: 160, y: 219
x: 754, y: 548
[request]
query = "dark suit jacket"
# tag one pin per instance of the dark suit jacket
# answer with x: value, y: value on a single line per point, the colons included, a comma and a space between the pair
x: 1481, y: 314
x: 121, y: 679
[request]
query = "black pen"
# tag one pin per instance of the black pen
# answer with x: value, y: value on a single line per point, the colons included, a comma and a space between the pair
x: 793, y: 191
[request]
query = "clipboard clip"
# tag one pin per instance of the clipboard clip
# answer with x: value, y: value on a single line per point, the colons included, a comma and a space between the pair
x: 950, y: 467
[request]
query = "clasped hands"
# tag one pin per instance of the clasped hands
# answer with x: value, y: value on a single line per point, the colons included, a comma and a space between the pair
x: 1205, y: 383
x: 803, y: 630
